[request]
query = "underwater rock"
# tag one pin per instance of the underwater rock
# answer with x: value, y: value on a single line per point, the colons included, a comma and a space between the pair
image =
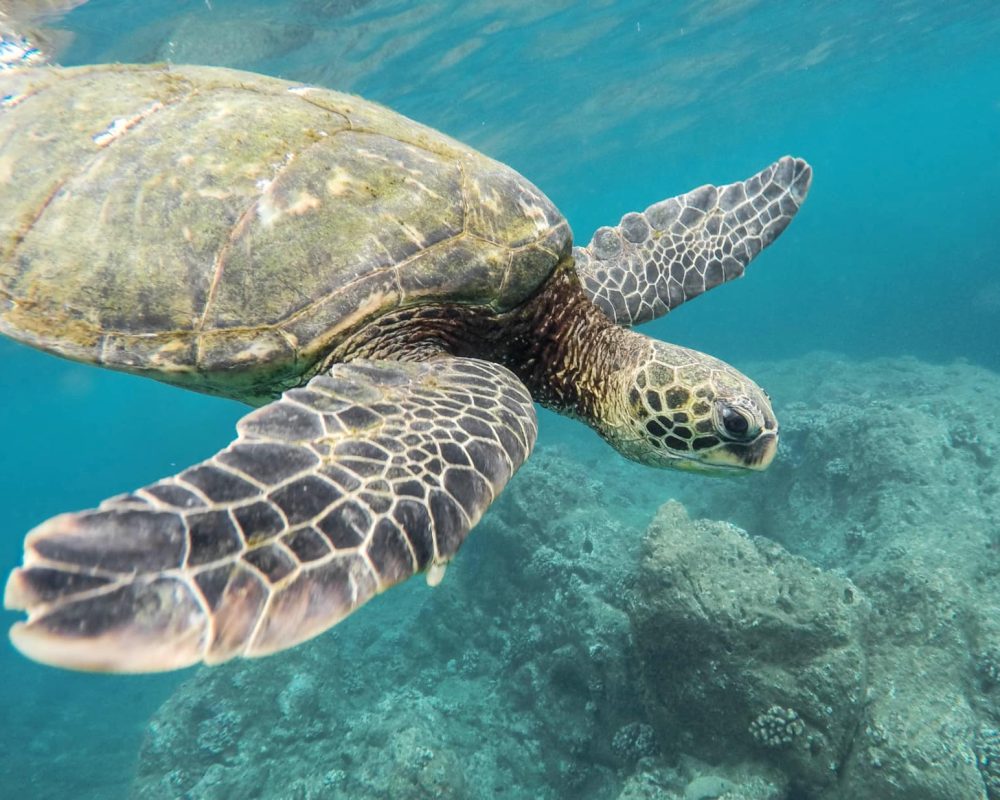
x: 747, y: 650
x: 917, y: 741
x: 919, y: 736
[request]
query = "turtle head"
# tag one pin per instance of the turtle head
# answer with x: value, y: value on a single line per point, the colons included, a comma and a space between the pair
x: 684, y: 409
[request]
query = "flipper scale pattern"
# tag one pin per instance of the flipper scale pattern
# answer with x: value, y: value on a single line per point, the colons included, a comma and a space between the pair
x: 330, y: 495
x: 681, y: 247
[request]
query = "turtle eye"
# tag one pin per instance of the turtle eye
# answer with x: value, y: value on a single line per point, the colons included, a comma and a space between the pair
x: 735, y: 422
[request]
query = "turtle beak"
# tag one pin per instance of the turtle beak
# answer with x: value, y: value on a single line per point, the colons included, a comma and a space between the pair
x: 761, y: 453
x: 735, y: 459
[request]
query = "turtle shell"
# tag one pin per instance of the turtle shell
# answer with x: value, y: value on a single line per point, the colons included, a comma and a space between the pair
x: 224, y: 231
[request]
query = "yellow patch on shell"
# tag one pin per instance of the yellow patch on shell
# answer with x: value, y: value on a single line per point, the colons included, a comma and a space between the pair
x: 269, y: 208
x: 342, y: 184
x: 303, y: 203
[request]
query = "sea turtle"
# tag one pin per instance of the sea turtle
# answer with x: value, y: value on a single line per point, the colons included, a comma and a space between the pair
x: 394, y: 302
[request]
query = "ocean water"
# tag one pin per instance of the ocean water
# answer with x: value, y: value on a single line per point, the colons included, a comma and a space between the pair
x: 608, y: 107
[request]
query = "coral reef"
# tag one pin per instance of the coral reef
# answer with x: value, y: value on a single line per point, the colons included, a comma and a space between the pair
x: 847, y: 647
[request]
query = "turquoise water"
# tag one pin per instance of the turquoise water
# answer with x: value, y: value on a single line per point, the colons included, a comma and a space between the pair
x: 608, y: 107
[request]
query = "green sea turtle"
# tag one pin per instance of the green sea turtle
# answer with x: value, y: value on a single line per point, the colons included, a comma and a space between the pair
x: 394, y: 302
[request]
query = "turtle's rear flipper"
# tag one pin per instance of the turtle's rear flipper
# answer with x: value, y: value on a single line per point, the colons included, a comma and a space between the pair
x: 367, y: 475
x: 678, y: 248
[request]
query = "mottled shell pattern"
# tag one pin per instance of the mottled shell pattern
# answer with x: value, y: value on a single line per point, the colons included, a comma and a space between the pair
x: 224, y: 231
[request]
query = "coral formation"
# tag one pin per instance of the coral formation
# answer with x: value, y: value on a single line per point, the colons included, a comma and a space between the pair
x: 634, y: 741
x: 777, y: 727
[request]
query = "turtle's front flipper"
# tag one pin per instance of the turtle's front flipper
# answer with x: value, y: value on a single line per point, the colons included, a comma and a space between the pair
x: 367, y: 475
x: 678, y: 248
